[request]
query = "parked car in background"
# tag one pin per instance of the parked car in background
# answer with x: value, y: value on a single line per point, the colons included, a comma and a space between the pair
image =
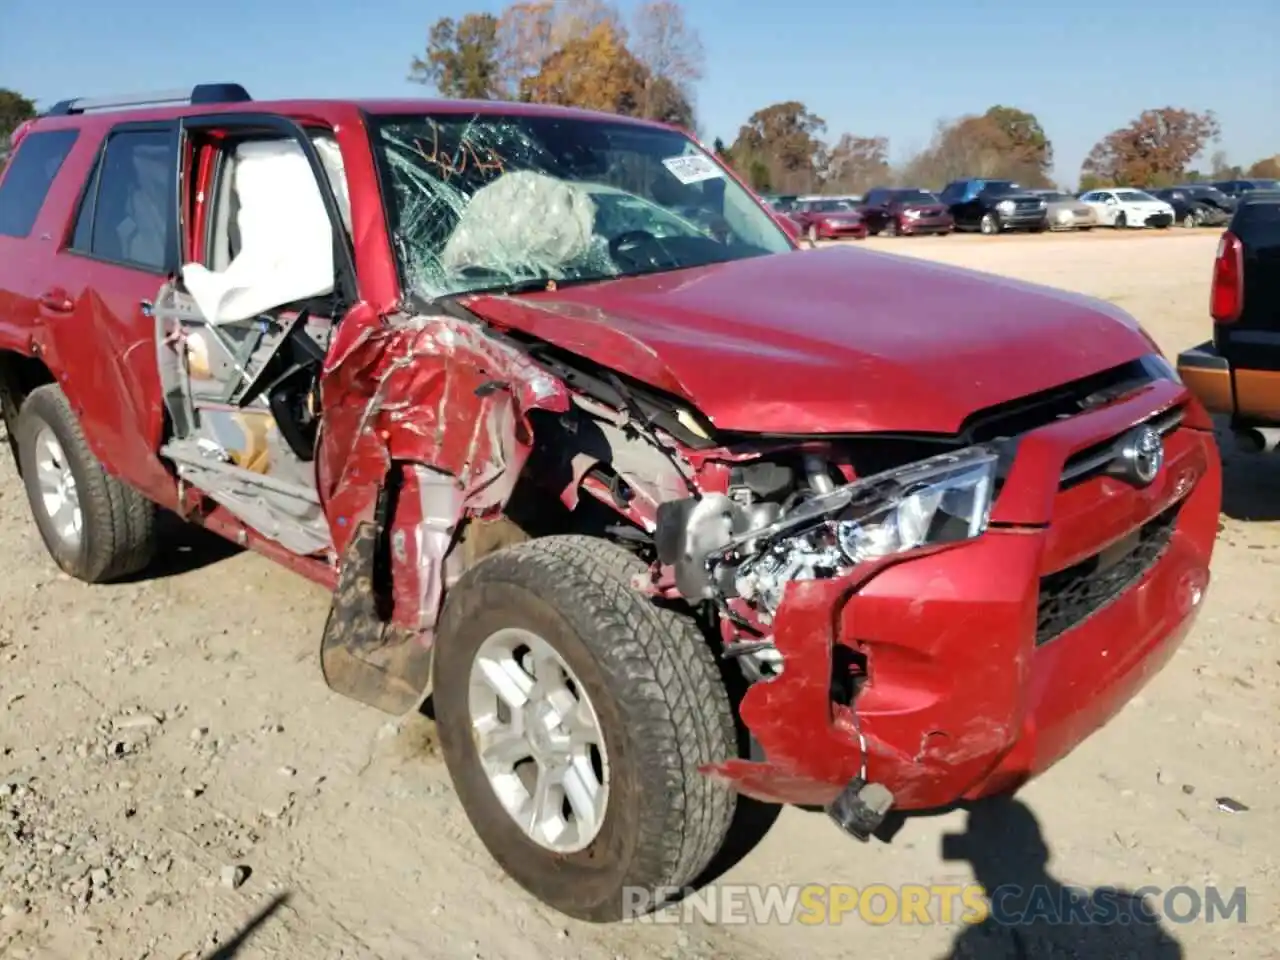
x: 1067, y: 212
x: 1188, y: 211
x: 1123, y: 207
x: 1238, y: 188
x: 993, y: 206
x: 828, y: 218
x: 905, y: 210
x: 1237, y: 373
x: 1210, y: 196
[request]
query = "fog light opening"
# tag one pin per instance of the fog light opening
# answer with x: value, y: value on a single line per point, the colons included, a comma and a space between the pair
x: 848, y: 674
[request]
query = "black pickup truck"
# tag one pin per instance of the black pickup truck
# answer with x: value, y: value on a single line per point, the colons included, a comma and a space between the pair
x: 1238, y: 372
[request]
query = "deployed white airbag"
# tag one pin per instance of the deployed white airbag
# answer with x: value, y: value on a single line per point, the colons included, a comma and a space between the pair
x: 286, y: 240
x: 522, y: 223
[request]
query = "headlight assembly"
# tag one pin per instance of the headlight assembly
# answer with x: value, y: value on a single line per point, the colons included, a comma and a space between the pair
x: 1006, y: 206
x: 944, y: 499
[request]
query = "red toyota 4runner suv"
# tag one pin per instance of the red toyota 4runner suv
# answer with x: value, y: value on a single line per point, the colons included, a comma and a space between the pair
x: 660, y: 509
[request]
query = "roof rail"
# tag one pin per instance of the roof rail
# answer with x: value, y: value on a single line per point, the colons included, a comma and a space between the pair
x: 199, y: 94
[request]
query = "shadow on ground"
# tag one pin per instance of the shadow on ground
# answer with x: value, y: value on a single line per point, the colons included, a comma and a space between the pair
x: 1033, y: 913
x: 1250, y: 481
x: 232, y: 947
x: 184, y: 548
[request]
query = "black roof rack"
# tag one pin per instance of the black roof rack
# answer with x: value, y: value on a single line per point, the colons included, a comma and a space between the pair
x: 199, y: 94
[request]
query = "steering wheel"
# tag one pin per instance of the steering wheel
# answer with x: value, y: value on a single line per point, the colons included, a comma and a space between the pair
x: 628, y: 240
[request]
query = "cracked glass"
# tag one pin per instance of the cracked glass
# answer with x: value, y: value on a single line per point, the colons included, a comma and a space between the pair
x: 515, y: 202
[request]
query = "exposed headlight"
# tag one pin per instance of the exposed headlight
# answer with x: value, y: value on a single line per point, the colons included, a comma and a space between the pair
x: 911, y: 214
x: 942, y: 500
x: 1064, y: 216
x: 1006, y: 206
x: 945, y: 499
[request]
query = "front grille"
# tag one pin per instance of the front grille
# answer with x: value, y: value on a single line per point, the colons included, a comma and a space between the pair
x: 1071, y: 596
x: 1027, y: 206
x: 1159, y: 220
x: 1093, y: 460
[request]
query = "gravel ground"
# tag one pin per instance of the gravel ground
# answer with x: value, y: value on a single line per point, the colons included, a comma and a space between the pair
x: 174, y: 774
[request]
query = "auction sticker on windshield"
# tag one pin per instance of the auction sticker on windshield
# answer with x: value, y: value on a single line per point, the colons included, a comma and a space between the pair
x: 692, y: 168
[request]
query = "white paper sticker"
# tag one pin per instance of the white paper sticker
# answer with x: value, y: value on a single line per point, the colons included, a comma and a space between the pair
x: 692, y: 168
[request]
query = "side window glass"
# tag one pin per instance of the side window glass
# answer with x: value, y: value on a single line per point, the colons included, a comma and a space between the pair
x: 129, y: 211
x: 30, y: 174
x: 82, y: 239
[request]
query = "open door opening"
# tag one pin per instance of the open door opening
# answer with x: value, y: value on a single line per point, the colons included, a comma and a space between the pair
x: 242, y: 333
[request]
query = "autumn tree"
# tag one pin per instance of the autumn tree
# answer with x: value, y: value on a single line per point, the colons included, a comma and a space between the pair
x: 1266, y: 169
x: 1153, y: 150
x: 1030, y: 153
x: 530, y: 32
x: 672, y: 54
x: 856, y: 164
x: 1004, y: 143
x: 14, y: 109
x: 462, y: 58
x: 595, y: 71
x: 780, y: 148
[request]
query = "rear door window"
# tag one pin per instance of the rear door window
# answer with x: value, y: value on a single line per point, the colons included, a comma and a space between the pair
x: 31, y: 171
x: 127, y: 215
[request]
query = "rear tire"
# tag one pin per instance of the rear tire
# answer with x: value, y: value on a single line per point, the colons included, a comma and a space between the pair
x: 653, y: 691
x: 95, y: 527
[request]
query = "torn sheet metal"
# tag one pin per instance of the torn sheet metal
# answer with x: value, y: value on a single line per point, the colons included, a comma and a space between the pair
x: 437, y: 406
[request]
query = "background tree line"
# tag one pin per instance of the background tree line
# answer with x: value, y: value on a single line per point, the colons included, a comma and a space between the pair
x: 586, y: 53
x: 580, y: 53
x: 14, y: 109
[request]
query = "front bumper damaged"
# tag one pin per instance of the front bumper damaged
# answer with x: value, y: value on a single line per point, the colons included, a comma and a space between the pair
x: 966, y: 690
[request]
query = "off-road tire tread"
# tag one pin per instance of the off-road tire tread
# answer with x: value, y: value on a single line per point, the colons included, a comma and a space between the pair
x: 672, y: 693
x: 119, y: 522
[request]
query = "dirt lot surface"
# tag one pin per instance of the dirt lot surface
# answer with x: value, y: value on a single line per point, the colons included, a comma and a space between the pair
x: 171, y: 763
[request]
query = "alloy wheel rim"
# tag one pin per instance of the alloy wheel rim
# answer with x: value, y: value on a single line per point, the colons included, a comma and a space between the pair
x: 538, y: 739
x: 59, y: 495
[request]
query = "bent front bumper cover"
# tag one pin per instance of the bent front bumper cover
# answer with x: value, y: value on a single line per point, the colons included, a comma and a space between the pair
x: 959, y: 700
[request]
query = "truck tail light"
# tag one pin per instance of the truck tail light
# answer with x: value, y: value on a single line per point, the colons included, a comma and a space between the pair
x: 1226, y: 298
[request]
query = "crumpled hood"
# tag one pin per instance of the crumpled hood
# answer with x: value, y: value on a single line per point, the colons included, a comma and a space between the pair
x: 831, y: 341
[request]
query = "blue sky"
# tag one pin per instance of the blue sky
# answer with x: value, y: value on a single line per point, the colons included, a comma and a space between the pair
x: 1084, y: 68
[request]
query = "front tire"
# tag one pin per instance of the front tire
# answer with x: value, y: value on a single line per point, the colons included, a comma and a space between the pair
x: 1121, y: 221
x: 561, y: 619
x: 989, y: 224
x: 95, y: 527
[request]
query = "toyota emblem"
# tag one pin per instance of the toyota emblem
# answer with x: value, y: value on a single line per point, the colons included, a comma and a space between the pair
x: 1141, y: 456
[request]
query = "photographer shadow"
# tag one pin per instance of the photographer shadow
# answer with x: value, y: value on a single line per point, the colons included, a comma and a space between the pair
x: 1035, y: 915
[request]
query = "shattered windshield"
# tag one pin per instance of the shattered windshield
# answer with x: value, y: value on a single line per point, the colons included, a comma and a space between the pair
x: 494, y: 202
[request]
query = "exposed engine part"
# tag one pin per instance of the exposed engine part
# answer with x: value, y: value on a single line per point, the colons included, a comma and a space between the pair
x: 759, y: 660
x: 819, y: 475
x: 761, y: 580
x: 692, y: 532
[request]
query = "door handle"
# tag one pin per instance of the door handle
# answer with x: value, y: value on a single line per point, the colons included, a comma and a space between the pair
x: 56, y: 300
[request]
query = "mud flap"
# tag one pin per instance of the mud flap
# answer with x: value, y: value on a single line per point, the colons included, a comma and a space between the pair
x: 362, y: 654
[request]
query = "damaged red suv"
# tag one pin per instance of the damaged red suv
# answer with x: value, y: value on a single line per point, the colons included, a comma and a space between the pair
x: 657, y: 510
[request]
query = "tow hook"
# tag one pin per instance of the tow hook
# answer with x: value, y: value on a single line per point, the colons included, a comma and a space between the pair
x: 860, y: 808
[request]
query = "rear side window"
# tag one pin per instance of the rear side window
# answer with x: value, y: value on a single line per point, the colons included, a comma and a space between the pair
x: 127, y: 214
x: 27, y: 180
